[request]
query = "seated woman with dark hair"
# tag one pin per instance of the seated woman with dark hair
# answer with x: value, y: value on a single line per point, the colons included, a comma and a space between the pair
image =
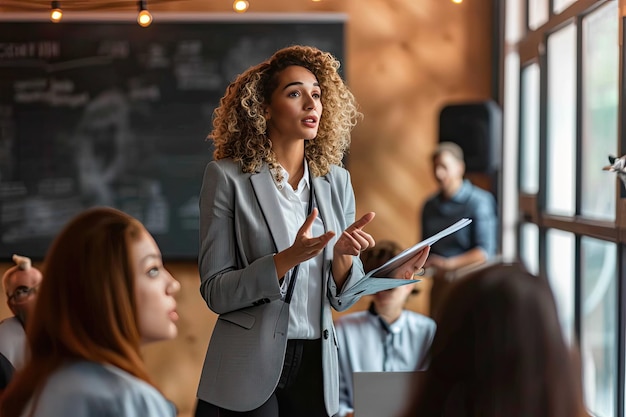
x: 499, y: 351
x: 105, y: 294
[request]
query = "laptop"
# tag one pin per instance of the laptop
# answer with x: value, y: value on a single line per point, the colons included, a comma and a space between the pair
x: 382, y: 394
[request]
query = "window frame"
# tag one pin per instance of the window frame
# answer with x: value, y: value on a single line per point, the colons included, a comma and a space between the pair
x: 531, y: 48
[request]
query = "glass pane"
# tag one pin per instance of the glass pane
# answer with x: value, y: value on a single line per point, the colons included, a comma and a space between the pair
x: 560, y: 270
x: 537, y: 13
x: 529, y: 130
x: 599, y: 110
x: 599, y: 325
x: 561, y: 140
x: 560, y: 5
x: 529, y: 247
x: 515, y: 22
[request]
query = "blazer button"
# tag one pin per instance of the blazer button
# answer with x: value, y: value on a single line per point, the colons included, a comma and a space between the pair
x: 325, y: 334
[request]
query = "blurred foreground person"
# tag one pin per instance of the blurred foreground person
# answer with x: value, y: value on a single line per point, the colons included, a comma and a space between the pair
x: 499, y: 351
x: 20, y: 283
x: 105, y: 294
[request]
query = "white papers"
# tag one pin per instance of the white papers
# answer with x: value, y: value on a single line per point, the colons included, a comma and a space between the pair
x: 379, y: 279
x: 387, y: 269
x: 371, y: 285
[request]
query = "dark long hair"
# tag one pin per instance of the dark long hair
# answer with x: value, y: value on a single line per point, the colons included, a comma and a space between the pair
x: 499, y: 351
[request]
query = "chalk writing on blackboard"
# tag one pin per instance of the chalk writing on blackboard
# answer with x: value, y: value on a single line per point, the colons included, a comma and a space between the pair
x: 108, y: 113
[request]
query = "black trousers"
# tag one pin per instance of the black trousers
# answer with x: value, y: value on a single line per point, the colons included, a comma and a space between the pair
x: 300, y: 392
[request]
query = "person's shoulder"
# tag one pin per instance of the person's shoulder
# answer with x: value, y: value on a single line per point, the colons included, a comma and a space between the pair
x: 481, y: 202
x: 11, y: 332
x: 10, y: 321
x: 338, y: 172
x: 478, y: 193
x: 225, y: 164
x: 421, y: 320
x: 224, y: 168
x: 90, y: 378
x: 89, y: 388
x: 352, y: 319
x: 11, y: 324
x: 13, y: 341
x: 337, y: 176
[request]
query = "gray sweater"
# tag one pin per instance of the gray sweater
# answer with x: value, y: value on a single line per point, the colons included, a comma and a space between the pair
x: 87, y: 389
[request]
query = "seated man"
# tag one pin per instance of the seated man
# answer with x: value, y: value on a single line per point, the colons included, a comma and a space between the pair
x: 387, y: 337
x: 20, y: 283
x: 456, y: 198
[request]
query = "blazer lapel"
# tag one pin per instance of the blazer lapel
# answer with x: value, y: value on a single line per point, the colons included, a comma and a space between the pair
x: 265, y: 191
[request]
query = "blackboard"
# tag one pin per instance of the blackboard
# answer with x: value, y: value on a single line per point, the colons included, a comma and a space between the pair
x: 104, y: 112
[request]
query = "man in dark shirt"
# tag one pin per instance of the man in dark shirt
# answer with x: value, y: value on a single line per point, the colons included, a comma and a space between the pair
x: 458, y: 198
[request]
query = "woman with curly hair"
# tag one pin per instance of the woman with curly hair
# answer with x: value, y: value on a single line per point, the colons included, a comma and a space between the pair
x: 277, y: 206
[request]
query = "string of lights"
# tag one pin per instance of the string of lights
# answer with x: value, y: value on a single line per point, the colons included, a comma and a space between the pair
x: 144, y: 17
x: 57, y: 8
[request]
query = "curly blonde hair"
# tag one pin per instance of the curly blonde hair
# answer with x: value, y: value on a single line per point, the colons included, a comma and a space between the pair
x: 239, y: 124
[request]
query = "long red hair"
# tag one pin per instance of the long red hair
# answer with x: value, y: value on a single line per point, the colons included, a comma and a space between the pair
x: 85, y: 307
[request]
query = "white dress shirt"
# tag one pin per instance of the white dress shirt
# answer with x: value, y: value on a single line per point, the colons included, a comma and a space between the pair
x: 306, y: 303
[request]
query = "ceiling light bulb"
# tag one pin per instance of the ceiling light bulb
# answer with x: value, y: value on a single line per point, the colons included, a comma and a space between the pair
x: 56, y: 14
x: 457, y: 1
x: 144, y: 18
x: 240, y: 6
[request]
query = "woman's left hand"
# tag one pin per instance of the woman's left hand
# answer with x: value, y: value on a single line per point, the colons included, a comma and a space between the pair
x: 414, y: 266
x: 354, y: 239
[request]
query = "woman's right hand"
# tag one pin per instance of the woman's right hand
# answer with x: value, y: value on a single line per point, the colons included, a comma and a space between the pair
x: 412, y: 267
x: 304, y: 247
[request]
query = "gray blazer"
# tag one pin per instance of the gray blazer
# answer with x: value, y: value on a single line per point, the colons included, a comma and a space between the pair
x: 241, y: 228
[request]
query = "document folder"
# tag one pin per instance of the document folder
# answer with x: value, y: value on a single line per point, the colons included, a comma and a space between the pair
x: 380, y: 279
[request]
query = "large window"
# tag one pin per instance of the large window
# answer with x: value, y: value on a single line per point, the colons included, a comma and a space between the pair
x: 569, y: 221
